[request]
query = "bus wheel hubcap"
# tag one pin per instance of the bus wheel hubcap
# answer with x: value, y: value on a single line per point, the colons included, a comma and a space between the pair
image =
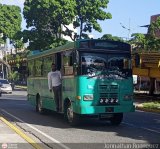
x: 39, y: 106
x: 70, y: 114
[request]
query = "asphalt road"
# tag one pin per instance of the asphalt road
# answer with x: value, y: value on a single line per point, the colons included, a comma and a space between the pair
x: 137, y: 130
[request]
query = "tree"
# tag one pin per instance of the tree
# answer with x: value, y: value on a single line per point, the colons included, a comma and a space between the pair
x: 13, y: 76
x: 138, y: 41
x: 87, y: 13
x: 47, y: 18
x: 17, y: 42
x: 110, y: 37
x: 10, y: 21
x: 149, y: 41
x: 153, y: 41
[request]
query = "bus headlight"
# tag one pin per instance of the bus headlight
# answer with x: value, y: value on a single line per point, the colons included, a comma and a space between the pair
x: 88, y: 97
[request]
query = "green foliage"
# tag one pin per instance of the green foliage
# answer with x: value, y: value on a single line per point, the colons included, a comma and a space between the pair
x: 39, y: 41
x: 17, y: 58
x: 152, y: 105
x: 46, y: 18
x: 1, y: 40
x: 13, y: 76
x: 110, y: 37
x: 17, y: 41
x: 87, y: 13
x: 148, y: 42
x: 139, y: 41
x: 154, y: 27
x: 10, y: 21
x: 153, y: 42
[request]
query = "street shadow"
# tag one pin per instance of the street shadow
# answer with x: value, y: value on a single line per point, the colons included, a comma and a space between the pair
x: 15, y: 110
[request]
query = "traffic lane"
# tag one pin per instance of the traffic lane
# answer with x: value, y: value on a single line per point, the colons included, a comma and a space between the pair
x: 94, y: 131
x: 92, y: 134
x: 144, y: 120
x: 139, y: 119
x: 18, y: 95
x: 91, y: 131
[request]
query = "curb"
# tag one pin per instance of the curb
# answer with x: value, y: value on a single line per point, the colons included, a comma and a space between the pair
x: 141, y: 108
x: 22, y: 87
x: 20, y: 133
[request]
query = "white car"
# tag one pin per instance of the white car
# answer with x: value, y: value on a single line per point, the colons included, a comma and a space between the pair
x: 5, y: 86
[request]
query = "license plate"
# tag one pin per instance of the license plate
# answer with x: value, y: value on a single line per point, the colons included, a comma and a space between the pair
x: 103, y: 116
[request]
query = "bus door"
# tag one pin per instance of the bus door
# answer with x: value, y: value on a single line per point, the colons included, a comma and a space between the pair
x: 58, y: 61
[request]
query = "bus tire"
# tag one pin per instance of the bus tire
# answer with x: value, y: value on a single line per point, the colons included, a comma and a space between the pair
x: 72, y: 118
x: 39, y: 108
x: 116, y: 119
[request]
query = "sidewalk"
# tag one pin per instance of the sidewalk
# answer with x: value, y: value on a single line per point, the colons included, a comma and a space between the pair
x: 20, y: 88
x: 11, y: 139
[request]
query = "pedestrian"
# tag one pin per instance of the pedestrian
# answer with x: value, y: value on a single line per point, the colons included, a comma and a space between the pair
x: 54, y: 84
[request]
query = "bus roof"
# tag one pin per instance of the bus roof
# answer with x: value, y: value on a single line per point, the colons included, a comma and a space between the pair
x: 38, y: 53
x: 82, y: 44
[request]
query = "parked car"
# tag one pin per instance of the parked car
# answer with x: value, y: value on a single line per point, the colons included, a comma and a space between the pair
x: 5, y: 86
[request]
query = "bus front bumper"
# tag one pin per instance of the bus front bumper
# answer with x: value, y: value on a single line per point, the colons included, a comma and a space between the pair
x: 105, y: 109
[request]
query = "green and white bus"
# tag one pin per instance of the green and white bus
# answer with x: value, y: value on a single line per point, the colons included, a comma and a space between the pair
x: 96, y: 79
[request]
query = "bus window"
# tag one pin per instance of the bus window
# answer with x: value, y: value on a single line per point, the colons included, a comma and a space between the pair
x: 31, y: 68
x: 47, y: 61
x: 91, y: 64
x: 38, y: 67
x: 127, y: 63
x: 119, y: 63
x: 67, y: 63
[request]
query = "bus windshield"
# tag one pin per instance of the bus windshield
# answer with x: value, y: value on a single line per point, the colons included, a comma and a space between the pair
x: 105, y: 65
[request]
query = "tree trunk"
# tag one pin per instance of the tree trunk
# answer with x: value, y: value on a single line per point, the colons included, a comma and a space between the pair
x: 152, y: 86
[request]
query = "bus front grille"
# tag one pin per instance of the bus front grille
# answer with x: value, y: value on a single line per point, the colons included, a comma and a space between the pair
x: 108, y: 95
x: 108, y: 88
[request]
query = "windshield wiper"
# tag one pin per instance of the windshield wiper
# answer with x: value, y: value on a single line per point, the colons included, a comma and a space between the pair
x: 108, y: 74
x: 117, y: 72
x: 94, y: 75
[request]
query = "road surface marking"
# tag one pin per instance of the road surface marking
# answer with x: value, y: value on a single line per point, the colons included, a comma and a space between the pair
x: 158, y: 120
x: 148, y: 112
x: 42, y: 133
x: 19, y: 132
x: 148, y: 129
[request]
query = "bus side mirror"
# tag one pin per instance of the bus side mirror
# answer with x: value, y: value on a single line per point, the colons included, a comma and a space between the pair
x: 137, y: 60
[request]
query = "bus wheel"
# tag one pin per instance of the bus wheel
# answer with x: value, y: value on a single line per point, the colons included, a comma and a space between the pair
x: 71, y: 117
x: 116, y: 119
x: 39, y: 108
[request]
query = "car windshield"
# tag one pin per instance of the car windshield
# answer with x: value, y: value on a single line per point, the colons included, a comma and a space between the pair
x: 105, y: 64
x: 4, y: 82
